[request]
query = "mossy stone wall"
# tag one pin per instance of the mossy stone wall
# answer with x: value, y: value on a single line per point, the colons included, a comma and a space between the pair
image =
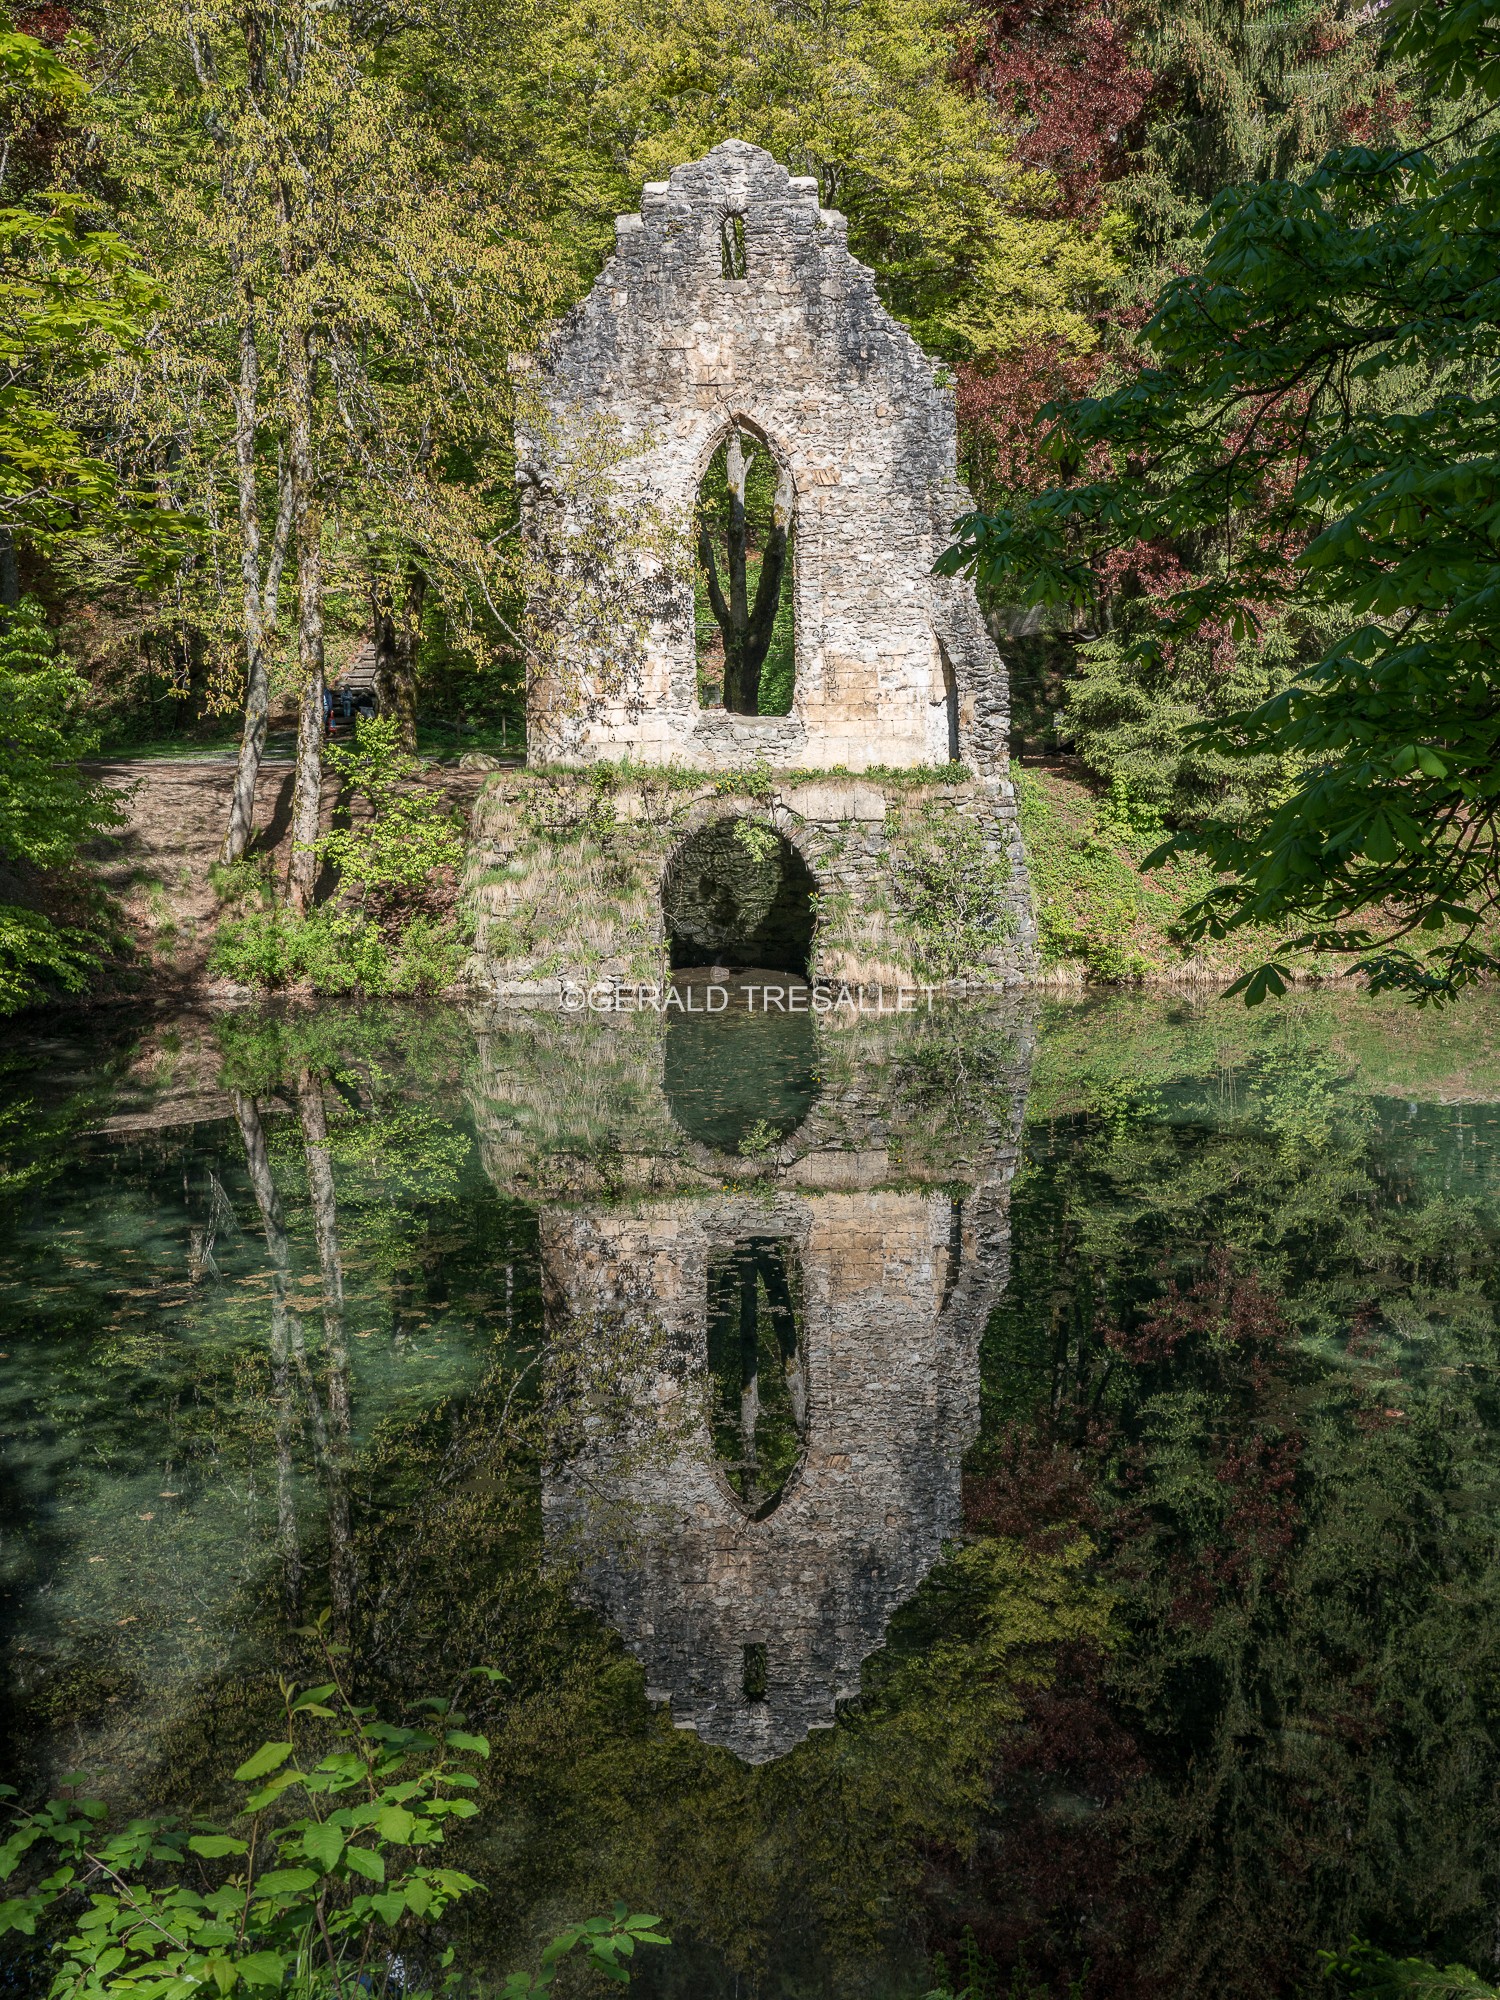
x: 917, y: 879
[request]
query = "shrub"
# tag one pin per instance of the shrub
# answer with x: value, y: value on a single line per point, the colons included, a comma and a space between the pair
x: 377, y: 937
x: 327, y: 1882
x: 48, y: 809
x: 953, y: 893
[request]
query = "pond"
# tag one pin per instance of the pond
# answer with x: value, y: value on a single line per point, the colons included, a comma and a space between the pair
x: 1013, y: 1486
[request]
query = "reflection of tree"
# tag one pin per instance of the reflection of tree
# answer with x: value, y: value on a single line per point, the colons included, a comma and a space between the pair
x: 1248, y: 1354
x: 258, y: 1166
x: 330, y: 1428
x: 310, y: 1102
x: 759, y: 1364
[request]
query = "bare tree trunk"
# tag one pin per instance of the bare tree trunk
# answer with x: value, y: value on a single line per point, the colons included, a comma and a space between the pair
x: 260, y: 595
x: 258, y: 1164
x: 313, y: 1111
x: 747, y: 628
x: 307, y: 786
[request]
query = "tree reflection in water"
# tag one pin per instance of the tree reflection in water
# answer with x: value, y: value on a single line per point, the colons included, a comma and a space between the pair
x: 1201, y: 1676
x: 759, y: 1368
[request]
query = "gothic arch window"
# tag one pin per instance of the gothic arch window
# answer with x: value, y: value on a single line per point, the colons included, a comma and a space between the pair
x: 950, y: 702
x: 745, y: 620
x: 732, y: 247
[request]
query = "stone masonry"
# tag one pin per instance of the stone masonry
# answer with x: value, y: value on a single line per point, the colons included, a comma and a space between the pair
x: 568, y: 881
x: 894, y: 667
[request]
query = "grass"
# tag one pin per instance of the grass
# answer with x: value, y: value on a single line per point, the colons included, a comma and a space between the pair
x: 179, y: 749
x: 1098, y: 915
x: 451, y: 739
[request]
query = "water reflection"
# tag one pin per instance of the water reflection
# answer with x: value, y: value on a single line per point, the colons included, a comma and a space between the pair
x: 757, y: 1358
x: 785, y: 1467
x: 620, y: 1361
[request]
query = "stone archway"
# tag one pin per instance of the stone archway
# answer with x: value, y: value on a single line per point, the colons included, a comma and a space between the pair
x: 738, y: 894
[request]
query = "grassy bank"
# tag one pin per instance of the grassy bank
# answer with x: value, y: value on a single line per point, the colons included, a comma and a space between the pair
x: 1099, y: 917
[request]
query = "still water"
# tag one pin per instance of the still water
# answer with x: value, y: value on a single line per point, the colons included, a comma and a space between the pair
x: 1016, y: 1488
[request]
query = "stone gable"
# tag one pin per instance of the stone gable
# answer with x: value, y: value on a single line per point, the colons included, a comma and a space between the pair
x: 892, y: 664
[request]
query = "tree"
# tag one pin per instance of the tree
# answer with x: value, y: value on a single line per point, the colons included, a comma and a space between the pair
x: 746, y: 625
x: 350, y: 288
x: 1313, y: 435
x: 961, y: 229
x: 1244, y: 90
x: 73, y: 299
x: 48, y: 809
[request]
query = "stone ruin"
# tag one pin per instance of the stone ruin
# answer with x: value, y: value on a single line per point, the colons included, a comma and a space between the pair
x: 894, y: 666
x: 894, y: 669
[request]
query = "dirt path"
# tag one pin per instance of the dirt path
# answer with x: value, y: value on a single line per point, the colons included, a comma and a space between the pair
x: 159, y: 864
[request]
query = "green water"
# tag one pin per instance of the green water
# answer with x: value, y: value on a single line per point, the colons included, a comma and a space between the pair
x: 1126, y: 1605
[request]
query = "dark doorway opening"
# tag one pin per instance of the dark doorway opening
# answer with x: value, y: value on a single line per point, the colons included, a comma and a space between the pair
x: 950, y: 702
x: 758, y: 1362
x: 737, y: 894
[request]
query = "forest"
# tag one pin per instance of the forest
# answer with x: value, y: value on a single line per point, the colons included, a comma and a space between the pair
x: 1196, y: 271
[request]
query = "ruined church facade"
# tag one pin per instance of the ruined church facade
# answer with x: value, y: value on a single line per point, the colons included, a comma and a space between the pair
x: 894, y: 666
x: 732, y: 307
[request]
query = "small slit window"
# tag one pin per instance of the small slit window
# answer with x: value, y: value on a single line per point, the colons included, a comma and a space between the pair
x: 755, y: 1673
x: 732, y: 246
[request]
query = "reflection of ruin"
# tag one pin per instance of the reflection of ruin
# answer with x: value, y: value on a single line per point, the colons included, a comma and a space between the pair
x: 754, y: 1580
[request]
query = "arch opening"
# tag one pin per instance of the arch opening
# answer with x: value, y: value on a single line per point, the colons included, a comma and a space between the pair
x: 950, y: 702
x: 738, y: 894
x: 738, y: 1077
x: 744, y: 616
x: 757, y: 1360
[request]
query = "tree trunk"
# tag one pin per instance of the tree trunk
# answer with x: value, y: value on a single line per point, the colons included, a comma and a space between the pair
x: 398, y: 635
x: 257, y: 665
x: 307, y: 786
x: 747, y: 628
x: 260, y: 593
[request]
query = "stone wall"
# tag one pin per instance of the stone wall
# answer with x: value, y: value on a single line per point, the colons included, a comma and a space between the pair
x: 667, y: 353
x: 566, y: 876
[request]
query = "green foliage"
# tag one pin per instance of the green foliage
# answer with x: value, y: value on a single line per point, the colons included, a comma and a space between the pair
x: 341, y: 1894
x: 376, y: 937
x: 72, y: 301
x: 337, y: 951
x: 48, y: 809
x: 407, y: 832
x: 1363, y: 1973
x: 1316, y: 426
x: 1133, y: 723
x: 759, y: 841
x: 1246, y: 90
x: 953, y: 892
x: 968, y: 243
